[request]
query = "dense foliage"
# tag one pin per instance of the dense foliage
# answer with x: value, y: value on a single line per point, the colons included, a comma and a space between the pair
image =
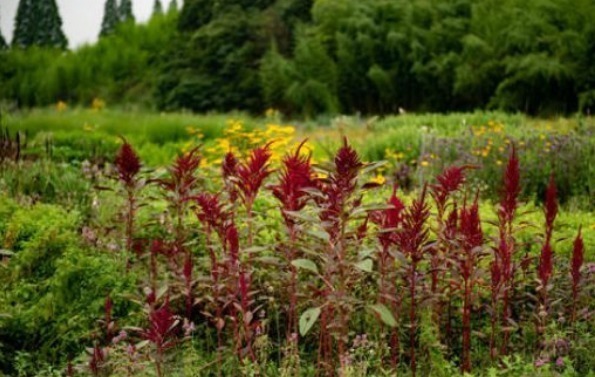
x: 309, y: 57
x: 119, y: 67
x: 266, y: 263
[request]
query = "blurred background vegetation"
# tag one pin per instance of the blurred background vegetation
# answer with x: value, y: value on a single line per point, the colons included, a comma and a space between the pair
x: 308, y: 57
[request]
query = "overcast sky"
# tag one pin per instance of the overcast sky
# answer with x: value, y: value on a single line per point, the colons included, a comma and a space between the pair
x: 81, y: 19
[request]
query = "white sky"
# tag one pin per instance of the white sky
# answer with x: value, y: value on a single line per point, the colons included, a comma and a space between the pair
x: 81, y: 19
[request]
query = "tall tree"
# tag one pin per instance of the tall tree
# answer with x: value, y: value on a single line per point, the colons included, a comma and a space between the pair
x: 49, y: 25
x: 157, y: 7
x: 3, y: 44
x: 38, y: 22
x: 23, y: 25
x: 125, y: 11
x: 173, y: 6
x: 110, y: 18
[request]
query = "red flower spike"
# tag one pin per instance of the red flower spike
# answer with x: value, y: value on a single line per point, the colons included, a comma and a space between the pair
x: 470, y: 227
x: 252, y: 173
x: 97, y: 360
x: 210, y: 212
x: 414, y: 234
x: 296, y: 176
x: 182, y: 178
x: 449, y: 181
x: 578, y: 256
x: 389, y: 218
x: 229, y: 165
x: 127, y: 164
x: 162, y: 328
x: 551, y: 203
x: 347, y: 162
x: 512, y: 187
x: 451, y: 224
x: 545, y: 268
x: 229, y: 168
x: 233, y: 241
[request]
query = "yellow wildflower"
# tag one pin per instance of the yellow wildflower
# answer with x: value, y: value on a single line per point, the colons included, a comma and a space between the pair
x: 379, y: 179
x: 97, y: 104
x: 61, y: 106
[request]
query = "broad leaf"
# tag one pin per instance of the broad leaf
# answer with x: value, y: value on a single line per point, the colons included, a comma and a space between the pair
x: 305, y: 264
x: 365, y: 265
x: 308, y: 319
x: 385, y: 315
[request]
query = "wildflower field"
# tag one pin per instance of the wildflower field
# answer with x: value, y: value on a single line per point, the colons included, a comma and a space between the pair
x: 172, y: 244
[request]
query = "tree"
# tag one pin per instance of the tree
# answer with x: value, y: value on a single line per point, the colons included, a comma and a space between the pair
x: 110, y: 18
x: 49, y: 25
x: 23, y: 26
x: 125, y: 11
x: 173, y: 6
x: 3, y: 45
x: 38, y: 22
x: 157, y: 7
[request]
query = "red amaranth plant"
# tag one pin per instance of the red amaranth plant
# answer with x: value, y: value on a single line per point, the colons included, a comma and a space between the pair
x: 338, y: 203
x: 217, y: 223
x: 545, y: 267
x: 179, y: 188
x: 411, y: 240
x: 128, y: 166
x: 578, y: 256
x: 448, y: 182
x: 161, y: 333
x: 546, y: 258
x: 108, y: 323
x: 249, y: 177
x: 239, y: 287
x: 229, y: 167
x: 388, y: 221
x: 97, y: 361
x: 295, y: 178
x: 506, y: 245
x: 471, y: 240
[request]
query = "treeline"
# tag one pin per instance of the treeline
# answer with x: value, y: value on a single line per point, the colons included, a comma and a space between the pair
x: 121, y: 67
x: 307, y: 57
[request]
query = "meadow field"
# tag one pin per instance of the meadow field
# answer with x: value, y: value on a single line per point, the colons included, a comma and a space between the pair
x: 137, y: 243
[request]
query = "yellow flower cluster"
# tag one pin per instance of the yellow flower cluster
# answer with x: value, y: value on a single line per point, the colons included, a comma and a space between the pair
x: 61, y: 106
x: 97, y: 104
x: 490, y: 128
x: 379, y: 179
x: 487, y: 137
x: 240, y: 140
x: 391, y: 155
x: 427, y: 159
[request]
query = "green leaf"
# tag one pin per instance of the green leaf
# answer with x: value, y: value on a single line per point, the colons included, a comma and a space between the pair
x: 385, y: 315
x: 305, y: 264
x: 365, y: 265
x: 308, y: 319
x: 319, y: 234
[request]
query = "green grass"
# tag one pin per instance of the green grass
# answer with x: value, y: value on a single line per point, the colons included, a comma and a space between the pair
x: 140, y: 127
